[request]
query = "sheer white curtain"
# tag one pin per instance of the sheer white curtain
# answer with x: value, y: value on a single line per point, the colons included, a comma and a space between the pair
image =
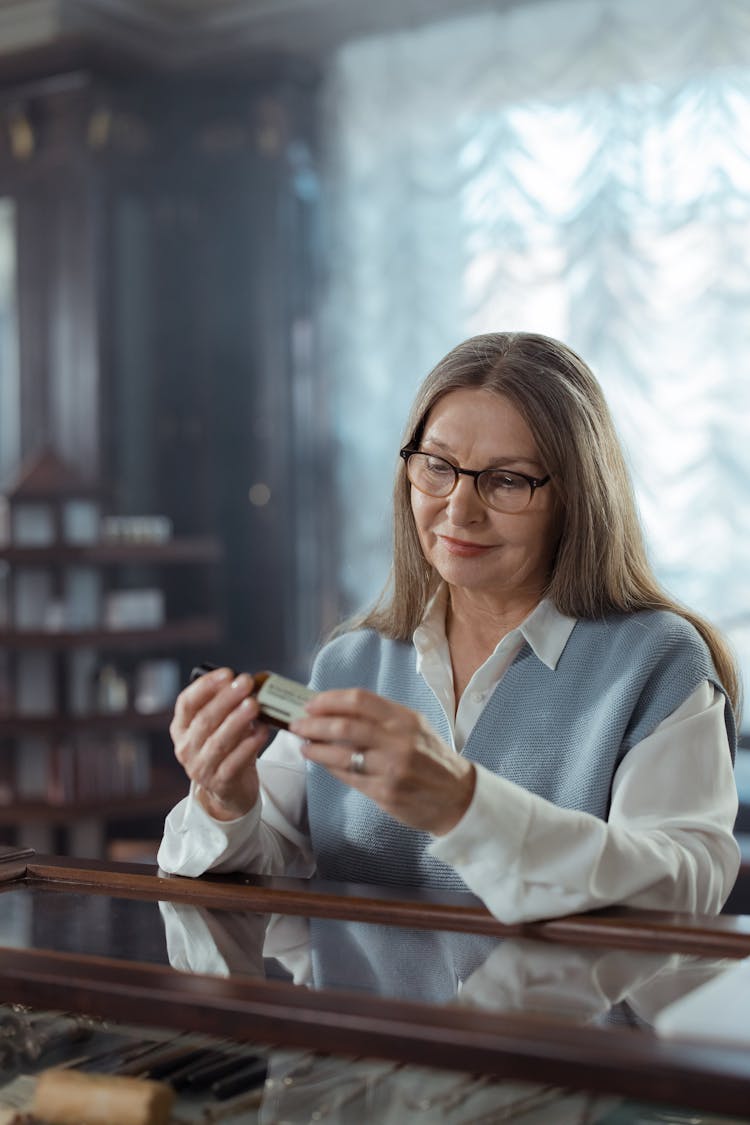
x: 579, y: 168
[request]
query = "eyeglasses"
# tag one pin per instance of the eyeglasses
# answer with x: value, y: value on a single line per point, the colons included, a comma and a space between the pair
x: 500, y: 489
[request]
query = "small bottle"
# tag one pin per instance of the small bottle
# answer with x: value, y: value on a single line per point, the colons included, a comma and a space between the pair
x: 281, y: 701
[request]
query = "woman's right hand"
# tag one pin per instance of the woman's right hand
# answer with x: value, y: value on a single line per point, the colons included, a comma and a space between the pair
x: 217, y: 739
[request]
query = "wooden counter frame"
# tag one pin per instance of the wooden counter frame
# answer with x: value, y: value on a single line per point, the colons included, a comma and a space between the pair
x: 701, y: 1075
x: 725, y: 936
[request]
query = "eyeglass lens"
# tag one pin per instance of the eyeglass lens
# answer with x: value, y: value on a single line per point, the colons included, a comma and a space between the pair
x: 499, y: 488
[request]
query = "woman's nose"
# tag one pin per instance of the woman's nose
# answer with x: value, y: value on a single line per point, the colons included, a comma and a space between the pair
x: 464, y: 503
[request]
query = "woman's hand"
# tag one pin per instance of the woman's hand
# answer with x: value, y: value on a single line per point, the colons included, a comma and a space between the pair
x: 403, y: 765
x: 217, y: 739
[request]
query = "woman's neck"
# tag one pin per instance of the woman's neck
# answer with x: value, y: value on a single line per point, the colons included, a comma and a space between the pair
x: 474, y: 628
x: 488, y: 620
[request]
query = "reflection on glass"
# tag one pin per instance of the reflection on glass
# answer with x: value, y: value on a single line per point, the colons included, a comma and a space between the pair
x: 15, y: 921
x: 579, y: 985
x: 90, y: 925
x: 9, y: 375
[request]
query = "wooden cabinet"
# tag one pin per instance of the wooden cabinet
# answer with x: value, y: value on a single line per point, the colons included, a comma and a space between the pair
x: 92, y: 655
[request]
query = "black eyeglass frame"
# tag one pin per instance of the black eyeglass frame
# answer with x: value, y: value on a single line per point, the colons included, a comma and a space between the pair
x: 533, y: 482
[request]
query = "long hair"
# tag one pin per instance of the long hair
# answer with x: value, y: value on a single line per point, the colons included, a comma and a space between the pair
x: 601, y: 565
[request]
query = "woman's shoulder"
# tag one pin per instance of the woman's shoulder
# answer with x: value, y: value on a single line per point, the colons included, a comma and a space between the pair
x: 662, y: 629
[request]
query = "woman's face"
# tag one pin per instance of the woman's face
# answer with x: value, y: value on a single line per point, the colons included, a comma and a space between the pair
x: 471, y: 546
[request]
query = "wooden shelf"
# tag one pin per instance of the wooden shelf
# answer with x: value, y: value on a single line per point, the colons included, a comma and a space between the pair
x: 198, y: 549
x: 192, y: 631
x: 127, y: 807
x: 14, y: 725
x: 82, y: 820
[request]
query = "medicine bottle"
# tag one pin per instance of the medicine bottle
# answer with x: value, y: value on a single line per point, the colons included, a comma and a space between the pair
x: 280, y: 700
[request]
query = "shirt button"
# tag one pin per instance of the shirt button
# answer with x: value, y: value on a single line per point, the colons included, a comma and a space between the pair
x: 478, y: 696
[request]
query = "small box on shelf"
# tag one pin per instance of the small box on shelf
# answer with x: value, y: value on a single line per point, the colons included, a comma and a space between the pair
x: 111, y: 690
x: 81, y: 522
x: 33, y: 525
x: 157, y: 685
x: 136, y: 529
x: 134, y: 609
x: 82, y: 597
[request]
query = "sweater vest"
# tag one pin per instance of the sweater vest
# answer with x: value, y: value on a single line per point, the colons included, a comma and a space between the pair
x: 558, y: 733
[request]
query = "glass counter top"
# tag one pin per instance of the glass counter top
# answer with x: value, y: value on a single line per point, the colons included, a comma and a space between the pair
x: 371, y: 1020
x: 574, y: 984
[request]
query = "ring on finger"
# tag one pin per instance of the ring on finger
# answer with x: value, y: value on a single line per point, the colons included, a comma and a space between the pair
x: 357, y: 762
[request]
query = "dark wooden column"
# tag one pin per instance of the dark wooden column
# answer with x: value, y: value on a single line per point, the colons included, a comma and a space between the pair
x: 46, y: 167
x: 167, y: 287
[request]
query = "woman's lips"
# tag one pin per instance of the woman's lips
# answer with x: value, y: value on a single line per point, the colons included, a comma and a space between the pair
x: 463, y: 547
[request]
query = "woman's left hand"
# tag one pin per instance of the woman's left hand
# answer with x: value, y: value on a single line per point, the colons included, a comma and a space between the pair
x: 403, y: 765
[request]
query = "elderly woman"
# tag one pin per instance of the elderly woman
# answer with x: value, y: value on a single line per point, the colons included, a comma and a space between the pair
x: 525, y: 714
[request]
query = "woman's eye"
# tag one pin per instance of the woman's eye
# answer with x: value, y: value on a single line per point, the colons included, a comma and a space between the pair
x: 438, y: 467
x: 506, y: 482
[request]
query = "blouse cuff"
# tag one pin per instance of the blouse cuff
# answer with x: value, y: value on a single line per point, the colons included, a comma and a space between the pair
x: 194, y: 841
x: 487, y: 843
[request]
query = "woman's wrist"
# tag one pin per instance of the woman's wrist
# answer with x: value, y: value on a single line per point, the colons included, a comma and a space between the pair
x: 215, y: 808
x: 464, y: 796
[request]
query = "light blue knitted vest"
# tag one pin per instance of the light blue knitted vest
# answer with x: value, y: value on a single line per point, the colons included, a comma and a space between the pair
x: 558, y: 733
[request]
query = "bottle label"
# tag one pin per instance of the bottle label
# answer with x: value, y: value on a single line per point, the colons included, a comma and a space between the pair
x: 282, y: 699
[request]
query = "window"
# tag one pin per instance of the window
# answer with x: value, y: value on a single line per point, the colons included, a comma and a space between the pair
x: 577, y: 169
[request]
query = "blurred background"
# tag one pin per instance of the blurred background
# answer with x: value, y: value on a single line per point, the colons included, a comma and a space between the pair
x: 234, y: 237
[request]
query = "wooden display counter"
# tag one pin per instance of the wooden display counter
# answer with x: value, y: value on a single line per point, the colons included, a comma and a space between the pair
x: 429, y: 981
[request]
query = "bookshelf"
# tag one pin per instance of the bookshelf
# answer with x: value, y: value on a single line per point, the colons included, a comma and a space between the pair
x: 92, y: 654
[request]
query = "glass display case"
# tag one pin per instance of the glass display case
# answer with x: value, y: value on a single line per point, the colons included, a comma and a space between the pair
x: 307, y: 1001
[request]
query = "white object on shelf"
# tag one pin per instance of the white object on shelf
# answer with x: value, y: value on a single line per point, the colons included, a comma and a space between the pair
x: 111, y: 690
x: 80, y: 522
x: 32, y: 525
x: 83, y: 594
x: 157, y: 685
x: 136, y: 529
x: 134, y: 609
